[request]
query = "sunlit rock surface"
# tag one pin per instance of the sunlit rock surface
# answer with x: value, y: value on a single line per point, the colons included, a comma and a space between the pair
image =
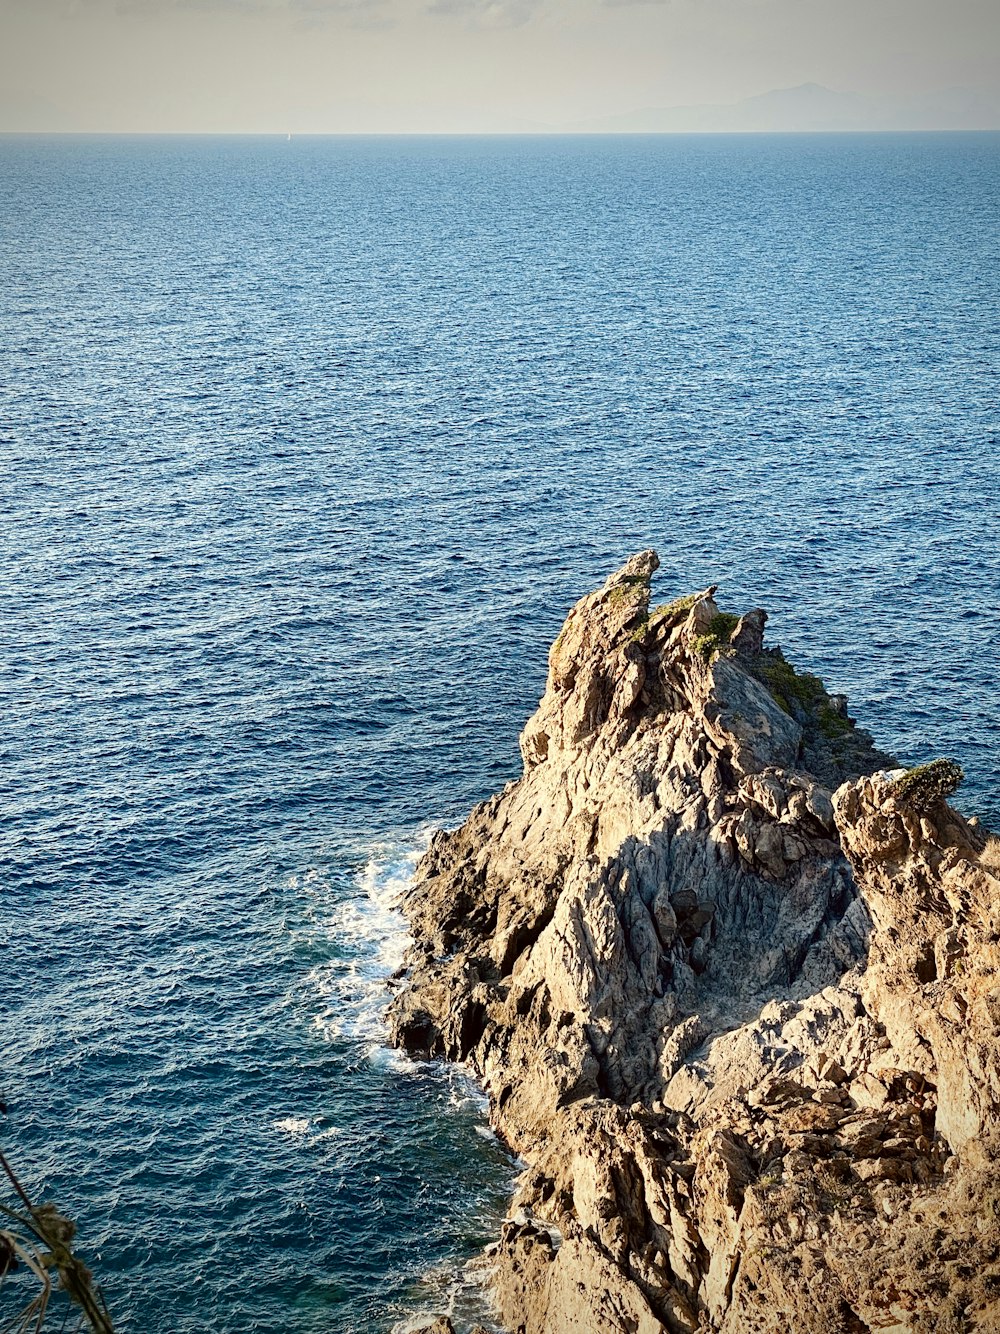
x: 732, y: 988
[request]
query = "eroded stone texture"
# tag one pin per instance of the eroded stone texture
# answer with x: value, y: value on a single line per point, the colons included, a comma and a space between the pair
x: 754, y: 1079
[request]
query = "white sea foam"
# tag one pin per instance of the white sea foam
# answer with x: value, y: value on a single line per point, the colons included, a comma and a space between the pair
x: 365, y: 935
x: 304, y: 1128
x: 391, y: 1058
x: 459, y: 1291
x: 464, y: 1091
x: 292, y: 1125
x: 369, y: 936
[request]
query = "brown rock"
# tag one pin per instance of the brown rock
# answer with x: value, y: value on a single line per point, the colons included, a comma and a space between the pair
x: 735, y: 1028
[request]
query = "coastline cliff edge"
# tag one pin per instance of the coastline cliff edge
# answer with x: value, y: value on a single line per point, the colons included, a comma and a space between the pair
x: 731, y: 982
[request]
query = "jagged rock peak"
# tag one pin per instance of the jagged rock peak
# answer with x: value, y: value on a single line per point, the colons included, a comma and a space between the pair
x: 617, y: 665
x: 642, y: 566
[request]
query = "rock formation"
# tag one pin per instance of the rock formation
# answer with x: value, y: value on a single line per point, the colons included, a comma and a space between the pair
x: 733, y: 991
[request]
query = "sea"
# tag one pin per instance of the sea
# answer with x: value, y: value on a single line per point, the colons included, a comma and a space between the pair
x: 306, y: 448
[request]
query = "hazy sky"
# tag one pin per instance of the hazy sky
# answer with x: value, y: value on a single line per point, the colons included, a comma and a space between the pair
x: 349, y: 65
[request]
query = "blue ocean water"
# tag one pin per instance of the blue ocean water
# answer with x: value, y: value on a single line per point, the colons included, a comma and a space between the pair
x: 305, y: 450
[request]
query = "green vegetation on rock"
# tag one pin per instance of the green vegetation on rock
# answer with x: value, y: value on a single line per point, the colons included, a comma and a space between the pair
x: 638, y: 634
x: 790, y: 687
x: 679, y: 607
x: 626, y: 588
x: 831, y: 723
x: 923, y: 787
x: 716, y: 638
x: 832, y: 743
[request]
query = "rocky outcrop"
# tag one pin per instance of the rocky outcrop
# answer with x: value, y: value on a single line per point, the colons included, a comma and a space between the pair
x: 444, y: 1326
x: 732, y: 989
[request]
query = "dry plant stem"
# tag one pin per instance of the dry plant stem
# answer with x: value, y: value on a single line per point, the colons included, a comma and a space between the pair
x: 34, y: 1313
x: 55, y: 1233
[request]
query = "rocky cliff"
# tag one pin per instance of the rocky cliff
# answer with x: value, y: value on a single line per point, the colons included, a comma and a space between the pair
x: 731, y: 984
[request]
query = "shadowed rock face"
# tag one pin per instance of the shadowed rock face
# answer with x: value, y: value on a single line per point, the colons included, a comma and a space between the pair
x: 754, y: 1079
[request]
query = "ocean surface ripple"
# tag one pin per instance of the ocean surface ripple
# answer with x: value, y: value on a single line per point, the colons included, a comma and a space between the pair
x: 306, y: 450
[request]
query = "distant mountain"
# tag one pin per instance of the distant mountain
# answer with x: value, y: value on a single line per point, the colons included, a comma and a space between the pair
x: 810, y: 106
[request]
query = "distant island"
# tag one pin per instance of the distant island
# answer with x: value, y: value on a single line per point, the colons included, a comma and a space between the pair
x: 810, y: 107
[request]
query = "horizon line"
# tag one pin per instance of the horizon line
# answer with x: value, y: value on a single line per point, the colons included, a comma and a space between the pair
x: 492, y: 134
